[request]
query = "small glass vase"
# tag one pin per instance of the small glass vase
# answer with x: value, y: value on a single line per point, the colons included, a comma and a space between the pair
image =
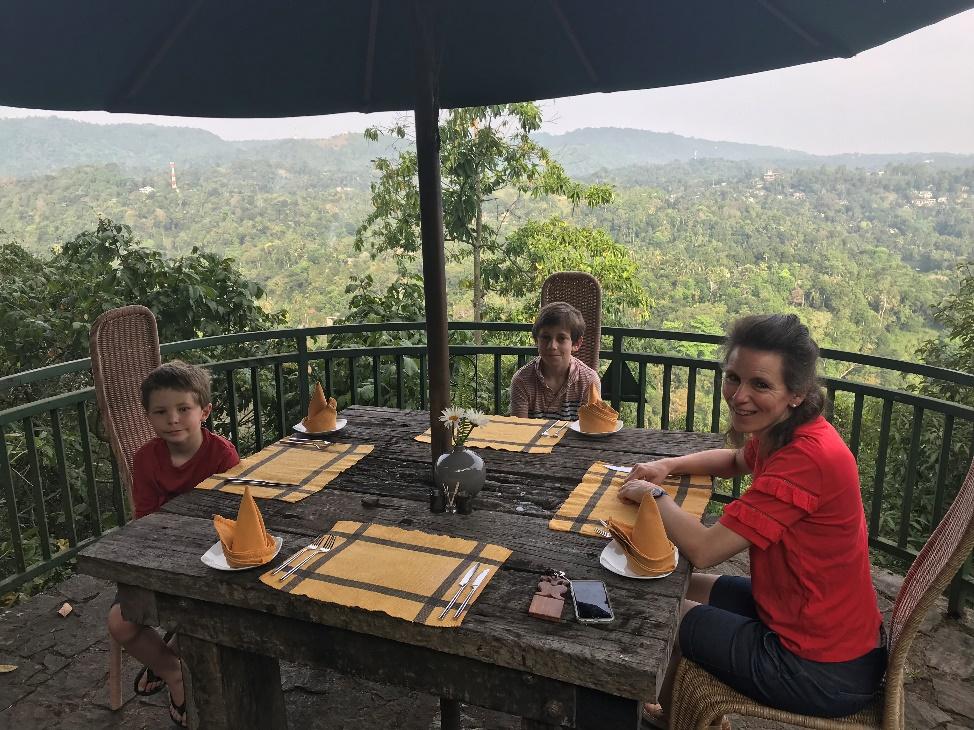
x: 461, y: 466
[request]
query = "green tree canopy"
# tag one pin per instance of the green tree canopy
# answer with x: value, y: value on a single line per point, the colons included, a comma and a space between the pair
x: 47, y: 305
x: 540, y: 248
x: 483, y: 150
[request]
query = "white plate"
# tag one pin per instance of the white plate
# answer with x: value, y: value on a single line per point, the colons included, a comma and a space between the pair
x: 215, y: 558
x: 578, y: 429
x: 614, y: 559
x: 340, y: 423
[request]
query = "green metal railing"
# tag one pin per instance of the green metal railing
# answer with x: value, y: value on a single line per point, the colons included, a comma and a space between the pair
x: 60, y: 489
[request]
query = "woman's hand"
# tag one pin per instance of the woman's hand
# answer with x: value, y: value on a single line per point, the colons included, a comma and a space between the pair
x: 634, y: 491
x: 650, y: 471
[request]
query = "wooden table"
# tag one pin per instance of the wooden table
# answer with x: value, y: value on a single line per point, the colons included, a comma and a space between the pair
x: 233, y: 630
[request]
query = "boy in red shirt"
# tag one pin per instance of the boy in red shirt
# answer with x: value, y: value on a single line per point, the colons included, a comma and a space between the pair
x: 176, y: 398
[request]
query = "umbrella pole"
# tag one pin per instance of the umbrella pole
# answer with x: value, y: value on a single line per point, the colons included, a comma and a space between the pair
x: 431, y: 225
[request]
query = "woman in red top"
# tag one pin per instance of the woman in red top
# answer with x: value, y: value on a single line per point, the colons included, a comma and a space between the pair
x: 803, y: 633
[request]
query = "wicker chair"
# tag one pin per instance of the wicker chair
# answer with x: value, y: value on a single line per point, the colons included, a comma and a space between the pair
x: 124, y: 349
x: 583, y: 292
x: 699, y: 698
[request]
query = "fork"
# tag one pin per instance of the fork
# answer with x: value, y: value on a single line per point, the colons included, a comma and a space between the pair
x: 313, y: 545
x: 324, y: 548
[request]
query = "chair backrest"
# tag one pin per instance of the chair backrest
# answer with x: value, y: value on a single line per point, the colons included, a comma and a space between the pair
x: 583, y: 292
x: 124, y: 349
x: 939, y: 560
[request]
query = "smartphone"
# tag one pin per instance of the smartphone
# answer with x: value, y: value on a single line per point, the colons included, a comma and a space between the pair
x: 591, y: 602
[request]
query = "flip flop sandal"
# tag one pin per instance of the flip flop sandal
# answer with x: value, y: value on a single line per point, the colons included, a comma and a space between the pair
x: 177, y: 711
x: 151, y: 678
x: 649, y: 720
x: 153, y: 683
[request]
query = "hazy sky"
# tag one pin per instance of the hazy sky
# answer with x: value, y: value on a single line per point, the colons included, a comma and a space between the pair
x: 915, y: 93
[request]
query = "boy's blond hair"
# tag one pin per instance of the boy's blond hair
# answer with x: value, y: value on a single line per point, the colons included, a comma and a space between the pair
x: 178, y: 375
x: 560, y: 314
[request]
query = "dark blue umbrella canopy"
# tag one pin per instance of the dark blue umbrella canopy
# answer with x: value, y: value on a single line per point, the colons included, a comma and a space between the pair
x: 254, y: 58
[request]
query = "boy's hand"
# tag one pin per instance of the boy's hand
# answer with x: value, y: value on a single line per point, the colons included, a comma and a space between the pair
x: 634, y: 491
x: 650, y: 471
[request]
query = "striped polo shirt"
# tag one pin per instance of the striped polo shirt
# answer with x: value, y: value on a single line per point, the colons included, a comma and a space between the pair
x: 531, y: 398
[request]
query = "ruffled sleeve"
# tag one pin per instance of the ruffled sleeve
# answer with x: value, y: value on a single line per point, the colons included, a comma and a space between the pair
x: 786, y: 491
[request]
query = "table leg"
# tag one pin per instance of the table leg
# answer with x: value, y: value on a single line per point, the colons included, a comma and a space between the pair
x: 231, y: 689
x: 449, y: 714
x: 527, y: 724
x: 596, y: 710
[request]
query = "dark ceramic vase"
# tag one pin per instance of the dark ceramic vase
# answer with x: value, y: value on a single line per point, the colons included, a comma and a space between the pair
x: 461, y: 466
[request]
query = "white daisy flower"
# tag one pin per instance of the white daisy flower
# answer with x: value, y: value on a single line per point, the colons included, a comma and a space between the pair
x: 477, y: 418
x: 451, y: 417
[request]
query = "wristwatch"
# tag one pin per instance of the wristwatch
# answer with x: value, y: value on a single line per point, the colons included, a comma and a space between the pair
x: 657, y: 491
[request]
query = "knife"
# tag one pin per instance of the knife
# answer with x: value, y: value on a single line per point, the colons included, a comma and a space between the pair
x: 473, y: 589
x: 623, y: 469
x: 463, y: 582
x: 260, y: 482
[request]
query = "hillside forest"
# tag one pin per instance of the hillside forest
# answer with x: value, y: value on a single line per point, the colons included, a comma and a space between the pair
x: 863, y: 254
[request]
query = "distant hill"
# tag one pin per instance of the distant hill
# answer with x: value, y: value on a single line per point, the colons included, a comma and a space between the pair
x: 586, y: 151
x: 37, y: 146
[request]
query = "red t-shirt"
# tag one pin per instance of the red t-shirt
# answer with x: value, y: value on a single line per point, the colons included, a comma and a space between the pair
x: 809, y: 553
x: 155, y: 480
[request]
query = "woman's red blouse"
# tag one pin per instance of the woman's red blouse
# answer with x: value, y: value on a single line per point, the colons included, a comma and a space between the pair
x: 804, y: 518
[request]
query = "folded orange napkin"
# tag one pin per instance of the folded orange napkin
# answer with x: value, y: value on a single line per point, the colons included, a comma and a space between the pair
x: 596, y: 499
x: 648, y: 550
x: 322, y: 413
x: 245, y: 540
x: 597, y: 416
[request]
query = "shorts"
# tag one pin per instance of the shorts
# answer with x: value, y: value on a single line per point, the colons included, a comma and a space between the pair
x: 727, y: 639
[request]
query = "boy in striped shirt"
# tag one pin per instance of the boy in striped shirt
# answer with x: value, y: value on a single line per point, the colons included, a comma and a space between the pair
x: 555, y: 383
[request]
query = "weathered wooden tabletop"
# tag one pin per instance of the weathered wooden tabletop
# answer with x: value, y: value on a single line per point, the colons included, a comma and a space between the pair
x: 236, y: 628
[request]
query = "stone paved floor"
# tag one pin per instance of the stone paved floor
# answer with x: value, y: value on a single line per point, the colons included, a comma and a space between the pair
x: 60, y: 679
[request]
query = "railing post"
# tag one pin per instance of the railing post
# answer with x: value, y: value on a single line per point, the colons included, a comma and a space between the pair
x: 67, y: 500
x: 255, y: 407
x: 617, y: 364
x: 955, y: 591
x: 40, y: 507
x: 303, y: 392
x: 6, y: 476
x: 91, y: 488
x: 279, y: 392
x: 118, y: 502
x: 232, y: 408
